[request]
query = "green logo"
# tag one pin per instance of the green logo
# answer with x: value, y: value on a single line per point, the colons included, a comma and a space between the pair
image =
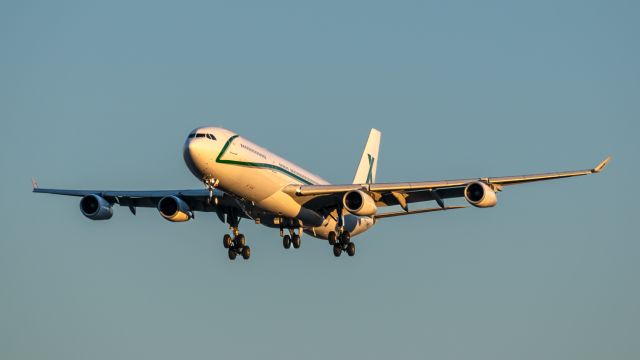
x: 370, y: 174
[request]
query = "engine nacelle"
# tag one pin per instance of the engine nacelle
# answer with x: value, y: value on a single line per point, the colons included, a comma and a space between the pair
x: 359, y: 203
x: 96, y: 207
x: 174, y: 209
x: 479, y: 194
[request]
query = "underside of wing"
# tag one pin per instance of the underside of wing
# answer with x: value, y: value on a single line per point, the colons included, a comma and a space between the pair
x: 411, y: 212
x: 197, y: 198
x: 173, y: 205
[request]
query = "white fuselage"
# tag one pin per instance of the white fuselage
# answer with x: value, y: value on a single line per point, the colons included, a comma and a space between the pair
x: 253, y: 173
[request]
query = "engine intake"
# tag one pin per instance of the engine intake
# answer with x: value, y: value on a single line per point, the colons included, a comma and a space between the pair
x: 96, y: 207
x: 359, y: 203
x: 174, y: 209
x: 479, y: 194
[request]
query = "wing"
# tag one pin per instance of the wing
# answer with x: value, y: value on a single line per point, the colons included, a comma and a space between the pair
x: 388, y: 194
x: 197, y: 199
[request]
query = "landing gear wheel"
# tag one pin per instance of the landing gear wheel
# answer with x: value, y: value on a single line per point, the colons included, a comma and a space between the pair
x: 351, y: 249
x: 232, y: 254
x: 246, y: 252
x: 286, y: 241
x: 345, y: 237
x: 240, y: 240
x: 227, y: 241
x: 332, y: 238
x: 296, y: 241
x: 337, y: 250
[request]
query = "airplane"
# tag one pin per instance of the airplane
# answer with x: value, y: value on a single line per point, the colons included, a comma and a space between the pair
x: 243, y: 180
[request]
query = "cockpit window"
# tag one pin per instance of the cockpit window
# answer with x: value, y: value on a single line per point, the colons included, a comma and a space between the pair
x: 201, y: 135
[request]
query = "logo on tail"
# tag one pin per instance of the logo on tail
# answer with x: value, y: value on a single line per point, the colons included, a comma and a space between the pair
x: 370, y: 173
x: 366, y: 171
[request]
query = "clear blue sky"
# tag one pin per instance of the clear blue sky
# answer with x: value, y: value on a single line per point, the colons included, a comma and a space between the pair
x: 101, y: 95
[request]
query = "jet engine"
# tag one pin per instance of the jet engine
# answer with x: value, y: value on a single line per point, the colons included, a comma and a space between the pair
x: 174, y: 209
x: 479, y: 194
x: 96, y: 207
x: 360, y: 203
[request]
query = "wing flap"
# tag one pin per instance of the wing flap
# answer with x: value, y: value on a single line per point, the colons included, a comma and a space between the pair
x: 418, y: 211
x: 388, y: 199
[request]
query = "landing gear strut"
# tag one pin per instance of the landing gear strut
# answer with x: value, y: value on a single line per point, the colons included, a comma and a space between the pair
x: 341, y: 238
x: 237, y: 244
x: 211, y: 184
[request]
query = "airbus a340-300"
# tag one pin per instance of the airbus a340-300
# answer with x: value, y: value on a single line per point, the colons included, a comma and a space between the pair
x: 245, y: 181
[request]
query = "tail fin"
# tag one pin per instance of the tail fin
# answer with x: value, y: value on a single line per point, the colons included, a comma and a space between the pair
x: 366, y: 173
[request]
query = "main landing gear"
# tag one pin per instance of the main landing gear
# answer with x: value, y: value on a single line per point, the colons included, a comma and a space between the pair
x: 236, y: 245
x: 292, y: 239
x: 341, y: 238
x: 342, y: 242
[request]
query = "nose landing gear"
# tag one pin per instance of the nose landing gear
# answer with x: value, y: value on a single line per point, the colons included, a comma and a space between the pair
x: 211, y: 184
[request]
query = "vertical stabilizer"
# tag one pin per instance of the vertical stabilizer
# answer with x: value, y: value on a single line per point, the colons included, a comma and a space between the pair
x: 366, y: 173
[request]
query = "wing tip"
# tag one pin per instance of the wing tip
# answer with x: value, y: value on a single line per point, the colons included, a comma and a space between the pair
x: 601, y: 166
x: 34, y: 184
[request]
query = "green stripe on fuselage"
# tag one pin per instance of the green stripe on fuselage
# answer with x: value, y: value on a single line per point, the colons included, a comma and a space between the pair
x: 256, y: 165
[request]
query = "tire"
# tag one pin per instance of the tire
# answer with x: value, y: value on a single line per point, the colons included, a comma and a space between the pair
x: 297, y: 241
x: 337, y: 250
x: 332, y: 238
x: 227, y: 241
x: 240, y: 240
x: 246, y: 252
x: 286, y: 241
x: 345, y: 237
x: 232, y: 254
x: 351, y: 249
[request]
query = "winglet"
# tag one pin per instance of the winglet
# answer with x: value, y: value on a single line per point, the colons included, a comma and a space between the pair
x: 34, y: 183
x: 601, y: 166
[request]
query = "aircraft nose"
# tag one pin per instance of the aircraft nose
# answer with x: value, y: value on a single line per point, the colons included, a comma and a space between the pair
x: 195, y: 156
